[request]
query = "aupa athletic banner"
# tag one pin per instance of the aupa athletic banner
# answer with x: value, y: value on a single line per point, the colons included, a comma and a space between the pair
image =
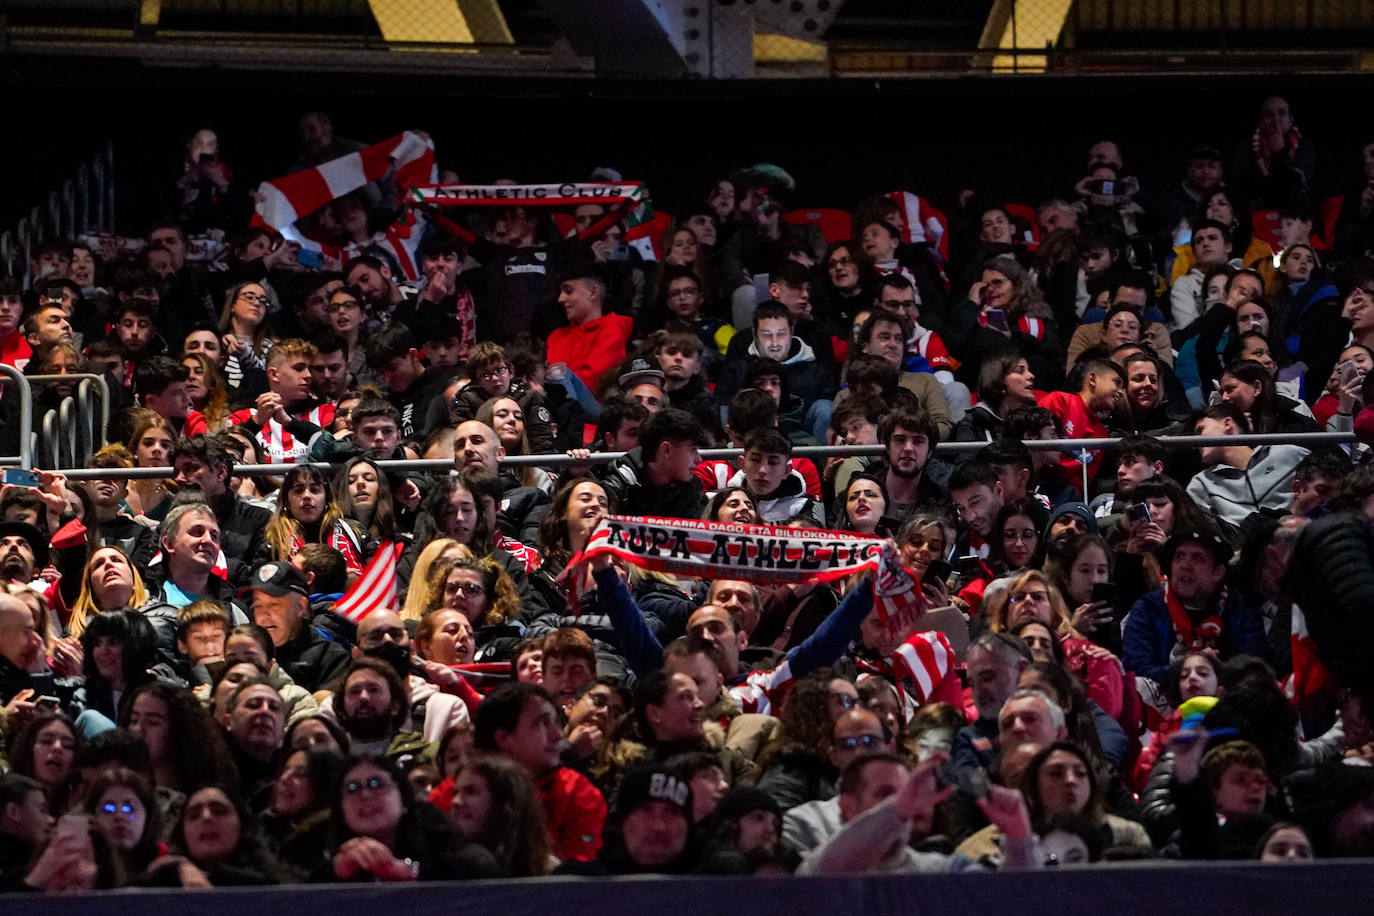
x: 762, y: 554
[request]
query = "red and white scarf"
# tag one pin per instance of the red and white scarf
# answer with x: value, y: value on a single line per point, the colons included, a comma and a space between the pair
x: 282, y: 201
x: 1264, y: 156
x: 1204, y: 635
x: 763, y: 554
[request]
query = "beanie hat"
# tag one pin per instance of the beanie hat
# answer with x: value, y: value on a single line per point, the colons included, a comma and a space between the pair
x: 652, y: 783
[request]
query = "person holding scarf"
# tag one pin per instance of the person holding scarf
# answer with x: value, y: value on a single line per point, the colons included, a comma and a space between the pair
x: 1193, y: 611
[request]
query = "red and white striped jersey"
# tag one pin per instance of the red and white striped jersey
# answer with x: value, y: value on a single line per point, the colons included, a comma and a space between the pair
x: 279, y: 446
x: 763, y: 691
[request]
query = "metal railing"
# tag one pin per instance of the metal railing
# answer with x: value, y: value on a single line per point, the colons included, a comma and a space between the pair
x: 70, y: 433
x: 708, y: 454
x: 25, y: 457
x: 83, y: 203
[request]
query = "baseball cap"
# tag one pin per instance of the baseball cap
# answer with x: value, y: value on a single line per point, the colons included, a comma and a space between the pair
x: 641, y: 369
x: 1211, y: 541
x: 277, y: 579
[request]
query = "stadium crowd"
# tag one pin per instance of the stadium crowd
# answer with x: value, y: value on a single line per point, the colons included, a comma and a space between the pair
x: 1163, y: 652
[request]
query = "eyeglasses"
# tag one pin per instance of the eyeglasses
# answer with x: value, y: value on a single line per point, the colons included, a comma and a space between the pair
x: 112, y: 808
x: 370, y: 786
x: 338, y: 305
x: 867, y: 742
x: 684, y: 293
x: 258, y: 298
x: 1018, y: 597
x: 843, y: 261
x: 492, y: 375
x: 847, y: 701
x: 899, y: 305
x: 467, y: 589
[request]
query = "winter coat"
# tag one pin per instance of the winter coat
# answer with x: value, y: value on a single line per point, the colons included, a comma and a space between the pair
x: 1148, y: 638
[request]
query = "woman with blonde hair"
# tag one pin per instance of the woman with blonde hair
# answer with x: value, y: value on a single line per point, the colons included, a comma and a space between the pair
x: 209, y: 390
x: 419, y: 599
x: 150, y: 444
x: 109, y: 581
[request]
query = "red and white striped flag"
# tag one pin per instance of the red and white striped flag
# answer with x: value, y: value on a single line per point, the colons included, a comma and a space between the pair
x: 284, y: 200
x: 375, y: 588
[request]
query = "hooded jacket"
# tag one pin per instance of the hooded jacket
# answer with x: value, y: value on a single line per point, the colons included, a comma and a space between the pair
x: 591, y: 348
x: 788, y: 500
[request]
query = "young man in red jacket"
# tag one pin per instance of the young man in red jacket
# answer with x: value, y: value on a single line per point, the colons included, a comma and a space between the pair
x: 594, y: 342
x: 519, y: 722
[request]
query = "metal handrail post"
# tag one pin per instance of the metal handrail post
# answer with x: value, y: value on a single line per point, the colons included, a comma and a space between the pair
x: 82, y: 378
x: 66, y: 432
x: 25, y: 413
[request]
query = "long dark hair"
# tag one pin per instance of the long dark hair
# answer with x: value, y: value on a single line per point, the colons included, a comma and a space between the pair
x: 251, y: 849
x: 198, y: 747
x: 514, y: 831
x: 553, y: 529
x: 435, y: 506
x: 383, y: 524
x: 145, y: 850
x: 1032, y: 509
x: 21, y: 753
x: 136, y: 637
x: 1253, y: 373
x: 1030, y: 782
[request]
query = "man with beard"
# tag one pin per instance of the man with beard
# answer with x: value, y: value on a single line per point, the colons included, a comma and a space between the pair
x: 1068, y: 522
x: 286, y: 417
x: 908, y: 440
x: 1194, y: 611
x: 23, y: 551
x: 281, y: 606
x: 373, y: 706
x: 202, y: 465
x: 438, y: 699
x: 255, y: 722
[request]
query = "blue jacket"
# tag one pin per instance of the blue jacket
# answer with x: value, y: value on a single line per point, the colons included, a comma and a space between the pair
x: 644, y: 652
x: 1148, y: 638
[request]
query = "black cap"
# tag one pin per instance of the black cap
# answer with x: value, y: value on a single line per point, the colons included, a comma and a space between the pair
x: 36, y: 541
x: 1211, y: 541
x: 641, y: 369
x: 277, y: 579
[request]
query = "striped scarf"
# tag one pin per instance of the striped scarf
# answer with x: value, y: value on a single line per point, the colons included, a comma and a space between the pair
x: 283, y: 201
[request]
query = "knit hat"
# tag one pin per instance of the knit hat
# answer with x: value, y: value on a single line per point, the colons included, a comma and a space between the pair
x: 1075, y: 508
x: 652, y: 783
x: 738, y: 802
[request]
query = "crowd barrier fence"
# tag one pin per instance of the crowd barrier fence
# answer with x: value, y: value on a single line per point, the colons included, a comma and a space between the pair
x: 1156, y: 888
x: 820, y: 452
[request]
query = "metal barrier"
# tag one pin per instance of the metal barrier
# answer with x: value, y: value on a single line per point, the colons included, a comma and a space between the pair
x: 1160, y: 888
x: 25, y: 457
x: 708, y: 454
x: 70, y: 433
x: 81, y: 204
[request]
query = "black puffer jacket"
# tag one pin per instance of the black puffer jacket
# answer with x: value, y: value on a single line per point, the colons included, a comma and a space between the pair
x: 538, y: 417
x: 1331, y: 576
